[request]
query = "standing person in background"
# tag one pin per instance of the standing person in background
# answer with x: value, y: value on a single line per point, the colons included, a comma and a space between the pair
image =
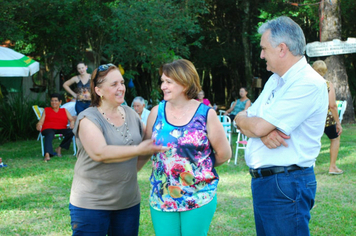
x: 285, y: 127
x: 333, y: 127
x: 184, y: 181
x: 105, y: 196
x: 239, y: 105
x: 139, y: 105
x: 83, y: 88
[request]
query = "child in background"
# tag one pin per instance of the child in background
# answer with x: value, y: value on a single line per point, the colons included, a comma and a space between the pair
x: 2, y: 164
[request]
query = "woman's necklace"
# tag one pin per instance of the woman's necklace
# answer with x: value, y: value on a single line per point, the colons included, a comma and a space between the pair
x: 180, y: 117
x: 126, y: 134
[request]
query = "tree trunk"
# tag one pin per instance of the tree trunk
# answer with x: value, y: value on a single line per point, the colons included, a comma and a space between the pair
x: 49, y: 73
x: 246, y: 44
x: 330, y: 23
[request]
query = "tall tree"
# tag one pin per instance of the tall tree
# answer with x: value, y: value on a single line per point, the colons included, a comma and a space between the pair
x: 246, y: 42
x: 348, y: 12
x: 331, y: 29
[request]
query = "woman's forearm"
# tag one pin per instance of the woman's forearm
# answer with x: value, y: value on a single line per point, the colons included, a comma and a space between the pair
x: 335, y: 114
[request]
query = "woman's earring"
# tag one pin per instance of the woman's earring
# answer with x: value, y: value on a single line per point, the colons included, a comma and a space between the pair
x: 101, y: 96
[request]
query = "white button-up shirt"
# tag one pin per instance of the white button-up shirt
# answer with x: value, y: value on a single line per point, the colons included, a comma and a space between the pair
x: 296, y: 104
x: 144, y: 115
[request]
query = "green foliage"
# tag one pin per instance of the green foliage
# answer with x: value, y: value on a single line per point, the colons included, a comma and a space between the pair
x: 17, y: 119
x: 10, y: 27
x: 155, y: 96
x: 141, y: 35
x: 135, y: 34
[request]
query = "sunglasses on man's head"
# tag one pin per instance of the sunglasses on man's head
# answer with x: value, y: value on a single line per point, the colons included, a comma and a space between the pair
x: 101, y: 69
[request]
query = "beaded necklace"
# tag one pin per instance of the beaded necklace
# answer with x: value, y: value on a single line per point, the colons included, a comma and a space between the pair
x: 126, y: 134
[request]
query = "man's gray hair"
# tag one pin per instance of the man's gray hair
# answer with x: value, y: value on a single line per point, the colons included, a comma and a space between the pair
x: 139, y: 99
x: 285, y: 30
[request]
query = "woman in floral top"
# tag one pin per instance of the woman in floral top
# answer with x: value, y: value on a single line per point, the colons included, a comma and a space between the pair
x: 184, y: 181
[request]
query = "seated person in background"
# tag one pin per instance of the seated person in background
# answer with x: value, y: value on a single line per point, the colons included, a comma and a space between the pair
x: 138, y: 104
x: 70, y: 106
x: 239, y: 104
x: 2, y: 164
x: 53, y: 121
x: 203, y: 100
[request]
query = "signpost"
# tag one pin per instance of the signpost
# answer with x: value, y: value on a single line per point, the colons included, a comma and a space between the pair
x: 335, y: 47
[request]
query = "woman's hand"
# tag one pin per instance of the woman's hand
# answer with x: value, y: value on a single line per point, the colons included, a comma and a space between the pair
x: 41, y: 121
x: 95, y: 145
x: 338, y: 128
x: 67, y: 85
x: 71, y: 125
x: 148, y: 147
x: 38, y: 126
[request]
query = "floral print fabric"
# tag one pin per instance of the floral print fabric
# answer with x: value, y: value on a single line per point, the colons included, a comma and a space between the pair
x: 183, y: 178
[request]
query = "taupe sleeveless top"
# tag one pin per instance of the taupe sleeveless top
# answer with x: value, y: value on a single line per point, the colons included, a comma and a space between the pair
x: 113, y: 186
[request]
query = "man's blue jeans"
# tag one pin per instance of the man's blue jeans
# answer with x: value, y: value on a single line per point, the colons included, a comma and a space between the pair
x: 89, y: 222
x: 282, y: 202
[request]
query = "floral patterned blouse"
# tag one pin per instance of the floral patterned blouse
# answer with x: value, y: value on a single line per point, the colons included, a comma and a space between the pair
x: 183, y: 178
x: 329, y: 117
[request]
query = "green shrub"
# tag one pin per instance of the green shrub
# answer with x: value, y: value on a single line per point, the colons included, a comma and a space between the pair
x: 17, y: 119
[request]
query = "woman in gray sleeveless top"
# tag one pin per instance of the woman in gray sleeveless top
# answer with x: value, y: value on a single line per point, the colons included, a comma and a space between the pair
x: 105, y: 197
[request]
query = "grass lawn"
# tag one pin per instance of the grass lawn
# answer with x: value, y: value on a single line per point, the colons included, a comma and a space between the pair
x: 34, y: 195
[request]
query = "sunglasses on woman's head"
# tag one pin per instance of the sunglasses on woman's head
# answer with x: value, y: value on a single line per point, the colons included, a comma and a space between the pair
x: 105, y: 67
x: 101, y: 69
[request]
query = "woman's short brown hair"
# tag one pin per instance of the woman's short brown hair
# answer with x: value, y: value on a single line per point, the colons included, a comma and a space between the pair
x: 97, y: 78
x: 184, y: 73
x: 320, y: 67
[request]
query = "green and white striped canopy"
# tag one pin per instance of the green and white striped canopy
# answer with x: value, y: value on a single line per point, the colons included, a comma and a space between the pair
x: 14, y: 64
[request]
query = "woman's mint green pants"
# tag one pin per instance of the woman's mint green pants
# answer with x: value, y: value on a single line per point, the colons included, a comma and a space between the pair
x: 186, y: 223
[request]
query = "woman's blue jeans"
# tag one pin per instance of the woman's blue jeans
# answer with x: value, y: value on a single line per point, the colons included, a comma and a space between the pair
x: 282, y: 202
x: 87, y: 222
x: 81, y: 106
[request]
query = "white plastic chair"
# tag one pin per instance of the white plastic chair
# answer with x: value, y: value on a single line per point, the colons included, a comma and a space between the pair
x: 341, y: 108
x: 226, y: 122
x: 221, y: 112
x: 241, y: 143
x: 38, y: 111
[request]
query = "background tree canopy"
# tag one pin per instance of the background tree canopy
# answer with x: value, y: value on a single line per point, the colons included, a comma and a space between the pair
x: 219, y: 37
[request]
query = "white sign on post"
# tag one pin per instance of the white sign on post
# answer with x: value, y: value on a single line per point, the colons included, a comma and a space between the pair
x: 335, y: 47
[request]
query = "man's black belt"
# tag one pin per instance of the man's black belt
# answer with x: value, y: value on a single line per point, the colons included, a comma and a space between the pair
x: 264, y: 172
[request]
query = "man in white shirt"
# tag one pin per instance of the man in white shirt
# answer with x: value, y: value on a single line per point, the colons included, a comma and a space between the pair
x: 285, y: 125
x: 70, y: 106
x: 138, y: 104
